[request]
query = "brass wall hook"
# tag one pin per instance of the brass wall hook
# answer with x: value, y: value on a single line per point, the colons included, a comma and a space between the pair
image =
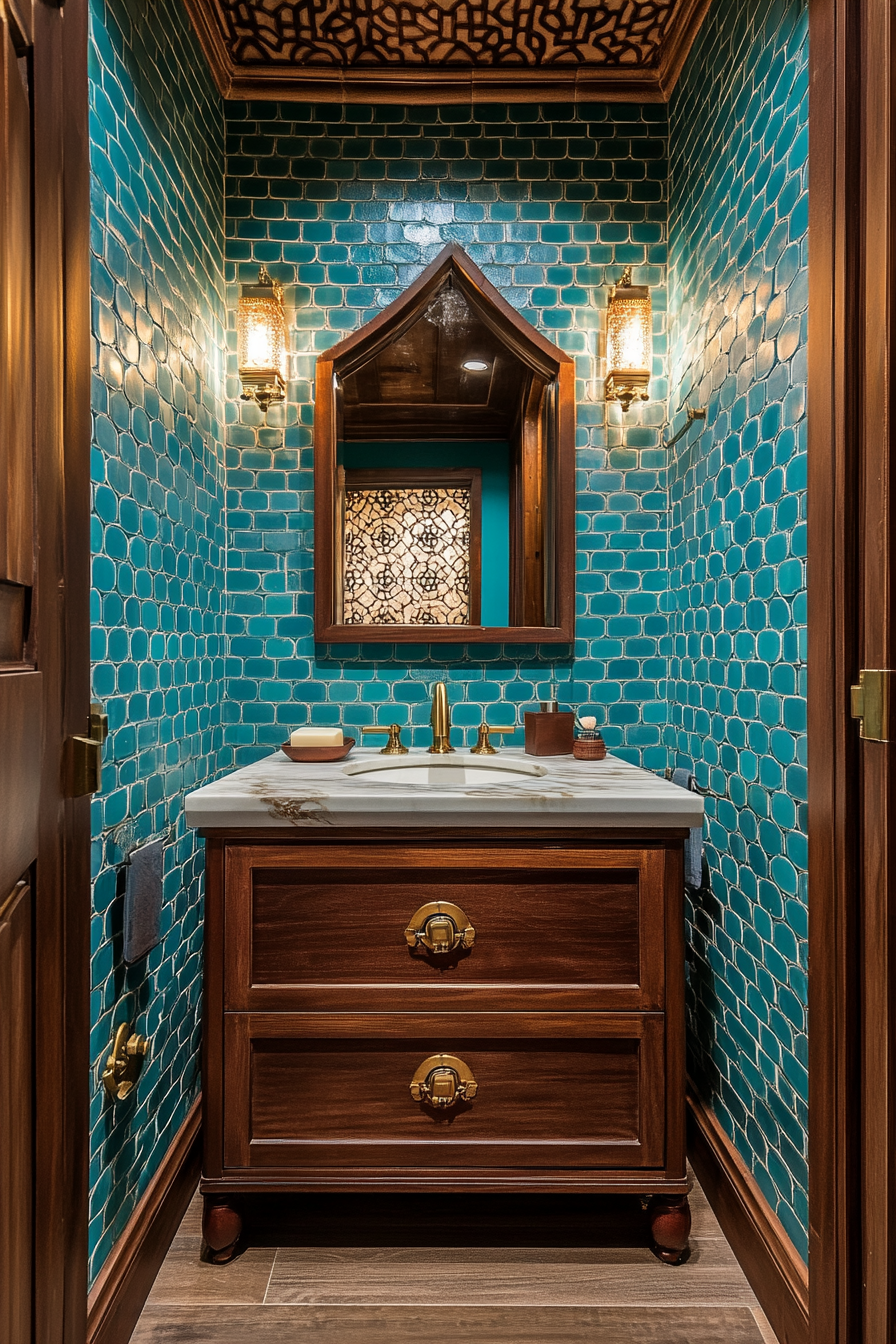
x: 693, y: 413
x: 124, y: 1063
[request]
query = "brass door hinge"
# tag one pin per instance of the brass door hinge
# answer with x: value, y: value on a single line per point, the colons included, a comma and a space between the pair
x: 84, y: 756
x: 870, y: 703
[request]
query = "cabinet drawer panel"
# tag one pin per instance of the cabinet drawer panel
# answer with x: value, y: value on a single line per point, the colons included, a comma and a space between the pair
x: 333, y: 936
x: 574, y: 1091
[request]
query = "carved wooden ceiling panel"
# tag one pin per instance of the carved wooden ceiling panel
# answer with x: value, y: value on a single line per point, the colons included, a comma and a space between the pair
x: 383, y: 32
x: 454, y: 48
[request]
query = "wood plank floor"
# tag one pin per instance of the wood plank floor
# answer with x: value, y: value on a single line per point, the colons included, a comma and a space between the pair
x: 498, y: 1270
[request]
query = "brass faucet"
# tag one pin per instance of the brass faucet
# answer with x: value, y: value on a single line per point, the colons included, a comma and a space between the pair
x: 441, y: 721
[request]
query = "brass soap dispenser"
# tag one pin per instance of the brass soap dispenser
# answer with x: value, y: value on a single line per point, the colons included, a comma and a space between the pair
x: 550, y: 731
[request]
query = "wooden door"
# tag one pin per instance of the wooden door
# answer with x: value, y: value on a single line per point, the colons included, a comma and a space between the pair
x: 44, y: 700
x: 851, y: 625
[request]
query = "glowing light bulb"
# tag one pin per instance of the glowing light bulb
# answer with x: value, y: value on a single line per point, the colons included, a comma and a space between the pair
x: 629, y: 342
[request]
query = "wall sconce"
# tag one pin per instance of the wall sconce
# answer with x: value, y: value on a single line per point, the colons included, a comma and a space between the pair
x: 629, y: 342
x: 261, y: 341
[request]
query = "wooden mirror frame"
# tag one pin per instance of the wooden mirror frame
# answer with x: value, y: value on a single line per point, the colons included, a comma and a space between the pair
x: 550, y: 400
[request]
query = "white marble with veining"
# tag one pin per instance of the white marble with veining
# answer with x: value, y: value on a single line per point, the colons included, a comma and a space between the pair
x: 277, y: 792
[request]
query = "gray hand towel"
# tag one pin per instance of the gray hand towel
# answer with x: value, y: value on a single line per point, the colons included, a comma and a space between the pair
x: 143, y: 901
x: 693, y: 846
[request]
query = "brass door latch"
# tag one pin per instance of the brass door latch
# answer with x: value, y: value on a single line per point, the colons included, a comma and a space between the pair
x: 443, y: 1081
x: 124, y: 1063
x: 441, y: 927
x: 84, y: 756
x: 870, y: 704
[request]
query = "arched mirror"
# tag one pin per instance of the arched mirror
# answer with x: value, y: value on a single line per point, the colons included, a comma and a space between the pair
x: 444, y: 472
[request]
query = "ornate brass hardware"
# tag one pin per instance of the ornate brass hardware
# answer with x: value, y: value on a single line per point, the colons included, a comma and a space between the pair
x: 84, y: 756
x: 441, y: 927
x: 483, y: 746
x: 395, y: 746
x: 443, y: 1081
x: 870, y: 704
x: 124, y: 1063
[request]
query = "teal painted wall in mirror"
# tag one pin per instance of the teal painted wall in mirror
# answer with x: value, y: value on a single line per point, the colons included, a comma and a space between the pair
x: 493, y: 459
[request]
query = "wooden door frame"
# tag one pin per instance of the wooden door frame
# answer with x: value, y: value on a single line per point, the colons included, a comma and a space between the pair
x: 62, y: 434
x: 852, y: 280
x: 852, y: 275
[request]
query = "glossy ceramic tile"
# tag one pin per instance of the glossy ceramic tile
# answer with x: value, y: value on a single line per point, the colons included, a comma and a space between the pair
x: 737, y: 544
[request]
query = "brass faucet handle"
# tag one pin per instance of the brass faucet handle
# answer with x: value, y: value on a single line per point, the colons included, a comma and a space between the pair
x: 483, y: 746
x: 395, y: 746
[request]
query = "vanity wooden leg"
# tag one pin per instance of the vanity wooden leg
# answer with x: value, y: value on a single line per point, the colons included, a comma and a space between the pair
x: 670, y: 1226
x: 221, y: 1228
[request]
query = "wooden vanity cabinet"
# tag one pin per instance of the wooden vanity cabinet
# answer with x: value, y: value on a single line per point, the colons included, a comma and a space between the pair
x: 400, y: 1011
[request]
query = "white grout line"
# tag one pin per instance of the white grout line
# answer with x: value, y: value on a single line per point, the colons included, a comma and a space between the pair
x: 264, y: 1300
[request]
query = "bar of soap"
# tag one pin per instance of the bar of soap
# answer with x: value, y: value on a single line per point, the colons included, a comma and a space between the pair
x: 316, y: 737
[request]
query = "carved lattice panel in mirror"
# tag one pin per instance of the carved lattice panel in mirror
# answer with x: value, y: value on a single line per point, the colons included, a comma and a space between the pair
x: 411, y: 547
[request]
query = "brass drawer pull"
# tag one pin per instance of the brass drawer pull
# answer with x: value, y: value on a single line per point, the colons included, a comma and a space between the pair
x: 443, y: 1081
x: 440, y: 927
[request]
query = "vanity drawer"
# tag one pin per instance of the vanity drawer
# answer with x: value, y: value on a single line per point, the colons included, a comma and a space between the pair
x: 323, y: 929
x: 553, y: 1092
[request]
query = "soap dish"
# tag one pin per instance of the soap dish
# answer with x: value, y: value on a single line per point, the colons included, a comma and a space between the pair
x: 318, y: 753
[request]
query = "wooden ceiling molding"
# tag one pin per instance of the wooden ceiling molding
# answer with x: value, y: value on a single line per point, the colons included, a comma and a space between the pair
x: 447, y: 51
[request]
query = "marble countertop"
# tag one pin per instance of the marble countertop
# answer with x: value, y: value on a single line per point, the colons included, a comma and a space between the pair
x: 277, y: 792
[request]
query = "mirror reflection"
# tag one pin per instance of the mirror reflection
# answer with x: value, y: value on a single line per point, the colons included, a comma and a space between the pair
x: 440, y: 468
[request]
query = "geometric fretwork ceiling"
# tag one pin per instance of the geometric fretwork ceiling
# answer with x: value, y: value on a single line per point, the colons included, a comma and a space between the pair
x: 446, y: 50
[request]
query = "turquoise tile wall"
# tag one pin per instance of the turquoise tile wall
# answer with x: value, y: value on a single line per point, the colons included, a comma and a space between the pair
x: 737, y: 544
x: 346, y: 206
x: 156, y: 129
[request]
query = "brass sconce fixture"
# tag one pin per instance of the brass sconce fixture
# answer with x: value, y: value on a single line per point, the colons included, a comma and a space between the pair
x: 261, y: 341
x: 629, y: 342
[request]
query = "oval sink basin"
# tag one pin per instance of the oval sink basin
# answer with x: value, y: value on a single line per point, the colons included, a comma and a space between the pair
x: 441, y: 770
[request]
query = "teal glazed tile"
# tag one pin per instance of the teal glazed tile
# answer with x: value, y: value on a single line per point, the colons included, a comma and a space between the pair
x: 511, y: 191
x: 157, y: 159
x: 738, y: 294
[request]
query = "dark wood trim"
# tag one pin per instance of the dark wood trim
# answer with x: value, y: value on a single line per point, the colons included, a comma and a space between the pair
x: 464, y: 84
x: 77, y: 435
x: 777, y: 1274
x: 872, y: 450
x: 117, y: 1298
x: 643, y: 837
x: 61, y: 208
x: 483, y: 1180
x: 442, y: 634
x: 489, y: 304
x: 683, y: 36
x: 852, y: 791
x: 211, y: 40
